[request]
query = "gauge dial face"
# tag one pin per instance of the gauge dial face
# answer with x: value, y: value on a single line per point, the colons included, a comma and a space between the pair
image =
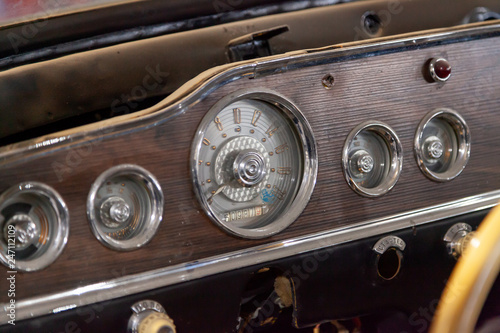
x: 248, y: 164
x: 125, y: 207
x: 121, y: 205
x: 372, y: 159
x: 34, y: 221
x: 442, y: 145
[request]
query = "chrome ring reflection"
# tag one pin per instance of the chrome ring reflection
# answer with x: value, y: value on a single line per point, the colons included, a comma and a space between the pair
x: 442, y: 145
x: 372, y: 159
x: 125, y: 207
x: 34, y: 226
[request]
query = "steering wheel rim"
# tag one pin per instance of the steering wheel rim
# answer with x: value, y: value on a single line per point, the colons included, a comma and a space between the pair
x: 471, y: 280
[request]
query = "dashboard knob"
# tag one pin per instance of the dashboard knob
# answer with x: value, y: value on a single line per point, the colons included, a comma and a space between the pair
x: 458, y: 238
x: 157, y: 322
x: 150, y: 317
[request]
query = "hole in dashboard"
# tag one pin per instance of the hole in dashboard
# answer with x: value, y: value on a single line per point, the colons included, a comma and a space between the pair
x: 371, y: 23
x: 389, y: 264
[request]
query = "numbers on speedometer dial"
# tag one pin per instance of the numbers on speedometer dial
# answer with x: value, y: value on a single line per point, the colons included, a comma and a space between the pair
x: 254, y: 163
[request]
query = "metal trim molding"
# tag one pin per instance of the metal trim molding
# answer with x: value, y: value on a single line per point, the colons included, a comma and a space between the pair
x: 159, y: 278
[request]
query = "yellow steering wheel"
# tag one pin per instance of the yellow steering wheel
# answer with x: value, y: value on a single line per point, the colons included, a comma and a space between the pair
x: 471, y: 280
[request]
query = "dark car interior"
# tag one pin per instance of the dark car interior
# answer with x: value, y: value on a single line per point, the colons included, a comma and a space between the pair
x: 249, y: 166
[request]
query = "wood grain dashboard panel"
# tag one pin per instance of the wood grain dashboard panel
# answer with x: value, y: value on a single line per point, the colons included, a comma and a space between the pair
x: 387, y: 86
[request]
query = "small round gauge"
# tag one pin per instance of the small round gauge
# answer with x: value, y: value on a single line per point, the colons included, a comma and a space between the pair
x: 34, y: 226
x: 254, y: 163
x: 125, y: 207
x: 442, y: 145
x: 372, y: 159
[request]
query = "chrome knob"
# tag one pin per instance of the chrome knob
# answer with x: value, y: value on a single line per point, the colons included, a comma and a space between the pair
x: 114, y: 211
x: 157, y: 323
x: 119, y: 212
x: 249, y: 167
x: 458, y: 238
x: 150, y: 317
x: 434, y: 147
x: 364, y: 161
x: 26, y: 231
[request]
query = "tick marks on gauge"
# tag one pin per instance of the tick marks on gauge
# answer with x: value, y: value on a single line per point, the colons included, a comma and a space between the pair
x: 284, y: 170
x: 218, y: 123
x: 270, y: 131
x: 256, y: 117
x: 237, y: 116
x: 281, y: 149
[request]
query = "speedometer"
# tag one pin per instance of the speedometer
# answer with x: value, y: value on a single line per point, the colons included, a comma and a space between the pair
x: 254, y: 163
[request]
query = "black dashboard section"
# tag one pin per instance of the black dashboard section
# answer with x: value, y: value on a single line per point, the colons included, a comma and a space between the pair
x: 334, y: 283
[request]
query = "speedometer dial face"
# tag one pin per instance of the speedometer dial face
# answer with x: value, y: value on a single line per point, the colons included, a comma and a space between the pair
x: 254, y: 163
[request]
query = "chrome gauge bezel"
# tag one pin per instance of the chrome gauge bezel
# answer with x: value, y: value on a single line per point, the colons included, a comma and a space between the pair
x: 462, y: 135
x: 60, y: 226
x: 390, y: 138
x: 307, y: 143
x: 148, y: 228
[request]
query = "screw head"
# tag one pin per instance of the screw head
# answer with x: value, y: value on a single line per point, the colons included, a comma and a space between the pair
x: 328, y: 81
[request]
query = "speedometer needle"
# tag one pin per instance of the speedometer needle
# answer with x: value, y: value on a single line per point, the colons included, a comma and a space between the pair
x: 220, y: 189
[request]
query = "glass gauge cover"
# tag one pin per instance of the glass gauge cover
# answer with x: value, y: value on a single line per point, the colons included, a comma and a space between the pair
x: 372, y: 159
x: 34, y: 226
x: 125, y: 207
x: 442, y: 145
x: 254, y: 163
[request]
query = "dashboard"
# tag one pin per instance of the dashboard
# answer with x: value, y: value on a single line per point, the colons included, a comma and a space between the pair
x: 327, y: 182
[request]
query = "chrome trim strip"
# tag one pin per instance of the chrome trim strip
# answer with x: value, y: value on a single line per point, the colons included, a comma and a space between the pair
x: 159, y: 278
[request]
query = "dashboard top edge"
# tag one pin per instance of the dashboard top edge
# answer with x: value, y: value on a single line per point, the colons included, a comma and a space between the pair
x: 202, y: 85
x: 163, y: 277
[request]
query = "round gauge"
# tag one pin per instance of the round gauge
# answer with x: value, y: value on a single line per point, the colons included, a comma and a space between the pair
x: 254, y: 163
x: 372, y: 159
x: 34, y: 226
x: 442, y: 145
x: 125, y: 207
